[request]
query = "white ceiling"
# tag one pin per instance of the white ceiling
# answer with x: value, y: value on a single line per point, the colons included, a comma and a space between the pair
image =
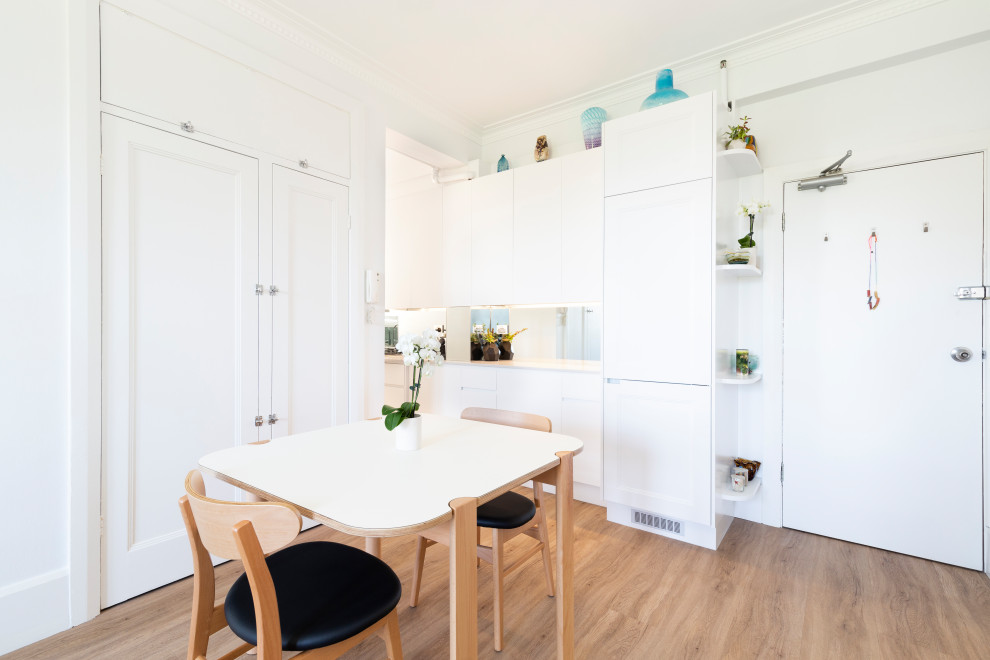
x: 490, y: 61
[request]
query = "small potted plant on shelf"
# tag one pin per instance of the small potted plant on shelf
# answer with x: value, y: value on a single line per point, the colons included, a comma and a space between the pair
x: 747, y: 246
x: 477, y: 341
x: 490, y: 346
x: 422, y: 353
x: 736, y: 136
x: 505, y: 346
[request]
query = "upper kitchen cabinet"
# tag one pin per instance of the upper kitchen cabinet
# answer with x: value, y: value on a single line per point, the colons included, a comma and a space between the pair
x: 536, y: 233
x: 582, y: 178
x: 669, y: 144
x: 457, y: 244
x: 157, y: 73
x: 491, y: 239
x: 413, y: 227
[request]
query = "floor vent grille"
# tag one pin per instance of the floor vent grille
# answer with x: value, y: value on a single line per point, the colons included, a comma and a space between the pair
x: 657, y: 522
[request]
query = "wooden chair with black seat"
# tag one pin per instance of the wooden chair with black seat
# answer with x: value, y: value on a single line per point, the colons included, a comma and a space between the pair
x: 507, y: 515
x: 320, y: 598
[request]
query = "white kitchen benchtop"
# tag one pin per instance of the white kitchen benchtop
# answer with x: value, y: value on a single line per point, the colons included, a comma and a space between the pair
x: 547, y: 364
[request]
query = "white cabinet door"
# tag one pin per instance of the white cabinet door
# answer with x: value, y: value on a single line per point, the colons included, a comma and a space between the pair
x: 582, y: 225
x: 658, y: 448
x: 397, y: 377
x: 659, y: 147
x: 581, y: 417
x: 156, y: 72
x: 180, y: 338
x: 413, y: 237
x: 456, y: 254
x: 658, y: 284
x: 536, y: 238
x: 530, y: 391
x: 309, y: 312
x: 491, y: 239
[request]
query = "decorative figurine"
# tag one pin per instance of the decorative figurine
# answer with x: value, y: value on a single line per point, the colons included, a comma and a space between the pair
x: 542, y: 151
x: 503, y: 164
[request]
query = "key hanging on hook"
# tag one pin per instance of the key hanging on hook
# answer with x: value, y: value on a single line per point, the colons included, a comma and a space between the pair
x: 872, y: 295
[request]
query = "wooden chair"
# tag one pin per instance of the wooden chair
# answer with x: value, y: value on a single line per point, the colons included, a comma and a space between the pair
x: 508, y: 515
x: 320, y: 598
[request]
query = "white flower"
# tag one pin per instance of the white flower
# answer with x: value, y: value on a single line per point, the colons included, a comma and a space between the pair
x: 431, y: 334
x: 410, y: 360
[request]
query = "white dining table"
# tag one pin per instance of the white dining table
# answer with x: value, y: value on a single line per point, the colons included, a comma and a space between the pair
x: 351, y: 478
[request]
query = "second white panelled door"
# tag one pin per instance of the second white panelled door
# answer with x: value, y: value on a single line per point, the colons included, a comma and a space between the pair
x: 658, y: 280
x: 309, y: 258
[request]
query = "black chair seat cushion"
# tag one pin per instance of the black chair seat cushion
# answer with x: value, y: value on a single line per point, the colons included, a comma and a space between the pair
x: 506, y: 511
x: 326, y: 593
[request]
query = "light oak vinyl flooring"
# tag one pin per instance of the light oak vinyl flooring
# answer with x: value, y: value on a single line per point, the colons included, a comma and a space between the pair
x: 766, y: 593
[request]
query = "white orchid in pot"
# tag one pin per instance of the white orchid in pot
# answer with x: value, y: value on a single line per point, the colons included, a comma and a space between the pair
x: 422, y: 353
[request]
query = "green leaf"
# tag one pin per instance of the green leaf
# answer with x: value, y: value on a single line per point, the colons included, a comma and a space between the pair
x: 393, y: 419
x: 388, y: 409
x: 409, y: 408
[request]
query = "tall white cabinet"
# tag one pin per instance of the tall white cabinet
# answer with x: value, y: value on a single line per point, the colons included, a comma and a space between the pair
x: 658, y: 306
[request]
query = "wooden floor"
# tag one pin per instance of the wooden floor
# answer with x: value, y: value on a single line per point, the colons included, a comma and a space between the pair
x: 765, y: 593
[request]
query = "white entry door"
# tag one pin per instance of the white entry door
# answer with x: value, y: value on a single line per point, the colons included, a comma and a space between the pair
x: 882, y: 427
x: 309, y: 312
x: 180, y: 338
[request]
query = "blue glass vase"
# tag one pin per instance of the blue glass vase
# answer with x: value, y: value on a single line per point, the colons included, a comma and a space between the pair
x: 665, y: 91
x: 503, y: 164
x: 591, y: 127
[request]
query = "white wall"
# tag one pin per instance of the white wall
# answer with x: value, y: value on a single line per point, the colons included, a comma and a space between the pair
x: 34, y: 332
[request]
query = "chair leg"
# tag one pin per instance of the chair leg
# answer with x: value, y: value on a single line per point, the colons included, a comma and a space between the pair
x: 417, y: 579
x: 541, y: 526
x: 498, y: 565
x: 393, y: 643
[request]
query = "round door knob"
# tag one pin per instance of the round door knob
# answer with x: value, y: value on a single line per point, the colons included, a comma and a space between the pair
x: 961, y: 354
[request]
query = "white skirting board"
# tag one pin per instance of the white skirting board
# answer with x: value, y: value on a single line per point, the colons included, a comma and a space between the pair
x: 582, y: 492
x: 706, y: 536
x: 33, y: 609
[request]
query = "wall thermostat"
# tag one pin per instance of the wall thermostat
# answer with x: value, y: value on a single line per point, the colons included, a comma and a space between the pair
x: 372, y: 286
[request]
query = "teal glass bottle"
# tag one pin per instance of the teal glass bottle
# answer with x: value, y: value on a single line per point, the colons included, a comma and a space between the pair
x: 665, y: 91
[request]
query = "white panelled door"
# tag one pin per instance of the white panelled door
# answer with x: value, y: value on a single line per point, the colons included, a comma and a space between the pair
x: 882, y: 427
x: 658, y: 281
x: 309, y: 260
x: 180, y: 338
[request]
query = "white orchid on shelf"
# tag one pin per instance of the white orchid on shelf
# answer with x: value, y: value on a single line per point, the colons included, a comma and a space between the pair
x: 422, y: 353
x: 752, y: 208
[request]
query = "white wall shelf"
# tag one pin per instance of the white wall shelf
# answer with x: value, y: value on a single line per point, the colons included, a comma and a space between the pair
x: 752, y: 488
x: 740, y: 270
x: 740, y: 162
x: 732, y: 379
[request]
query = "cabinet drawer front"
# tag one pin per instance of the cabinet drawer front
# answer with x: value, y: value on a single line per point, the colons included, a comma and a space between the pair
x: 583, y: 387
x: 478, y: 378
x: 658, y: 448
x: 395, y: 375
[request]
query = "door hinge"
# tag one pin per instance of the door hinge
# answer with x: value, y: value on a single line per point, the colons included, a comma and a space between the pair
x: 984, y: 354
x: 272, y: 290
x: 272, y: 418
x: 259, y: 289
x: 783, y: 221
x: 259, y: 420
x: 781, y: 473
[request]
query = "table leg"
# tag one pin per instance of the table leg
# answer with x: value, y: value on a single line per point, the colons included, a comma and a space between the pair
x: 373, y: 546
x: 463, y: 579
x: 565, y: 556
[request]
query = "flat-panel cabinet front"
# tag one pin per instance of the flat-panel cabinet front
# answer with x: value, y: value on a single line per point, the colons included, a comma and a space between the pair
x: 491, y: 239
x: 581, y: 417
x: 658, y: 448
x: 536, y: 233
x: 530, y: 391
x: 582, y: 224
x: 456, y: 253
x: 669, y: 144
x: 658, y: 285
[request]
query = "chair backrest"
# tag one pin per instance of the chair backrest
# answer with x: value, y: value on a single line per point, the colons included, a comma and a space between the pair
x: 508, y: 418
x: 275, y: 524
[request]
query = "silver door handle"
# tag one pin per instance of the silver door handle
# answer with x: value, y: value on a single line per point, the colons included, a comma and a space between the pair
x: 971, y: 293
x: 961, y: 354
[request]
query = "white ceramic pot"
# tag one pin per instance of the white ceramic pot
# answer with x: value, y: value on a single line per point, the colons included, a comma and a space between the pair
x: 409, y: 434
x: 736, y: 144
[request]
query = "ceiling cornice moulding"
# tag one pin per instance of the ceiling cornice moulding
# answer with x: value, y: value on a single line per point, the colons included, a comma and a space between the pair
x: 310, y: 37
x: 766, y: 44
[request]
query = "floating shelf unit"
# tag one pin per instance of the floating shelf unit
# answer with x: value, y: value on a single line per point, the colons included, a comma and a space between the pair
x: 732, y: 379
x: 740, y: 270
x: 752, y: 488
x: 742, y: 162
